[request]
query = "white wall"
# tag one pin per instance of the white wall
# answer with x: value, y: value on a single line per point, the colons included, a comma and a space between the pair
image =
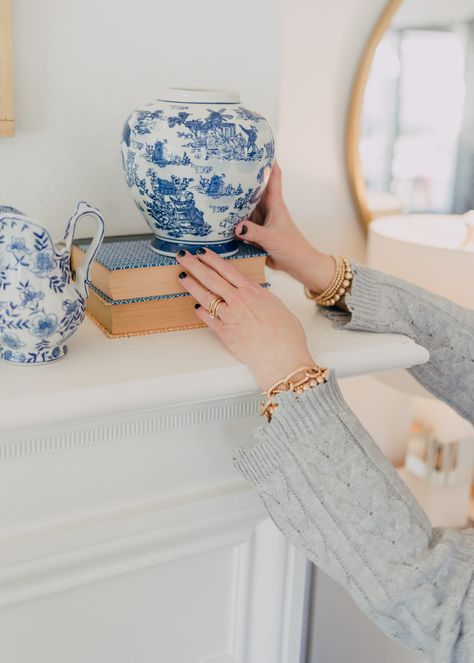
x: 322, y: 42
x: 81, y: 66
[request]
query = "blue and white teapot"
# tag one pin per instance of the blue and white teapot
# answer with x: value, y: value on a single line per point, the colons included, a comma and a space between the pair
x: 42, y: 302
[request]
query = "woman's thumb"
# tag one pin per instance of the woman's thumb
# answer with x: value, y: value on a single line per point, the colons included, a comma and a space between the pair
x: 251, y: 232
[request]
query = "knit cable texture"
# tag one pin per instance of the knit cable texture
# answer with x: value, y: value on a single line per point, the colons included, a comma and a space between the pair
x: 330, y: 490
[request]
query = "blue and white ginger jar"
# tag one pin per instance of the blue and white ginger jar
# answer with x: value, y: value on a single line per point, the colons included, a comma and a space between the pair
x: 42, y: 303
x: 197, y: 162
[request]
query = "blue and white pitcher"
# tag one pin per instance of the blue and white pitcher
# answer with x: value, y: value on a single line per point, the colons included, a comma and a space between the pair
x: 42, y: 302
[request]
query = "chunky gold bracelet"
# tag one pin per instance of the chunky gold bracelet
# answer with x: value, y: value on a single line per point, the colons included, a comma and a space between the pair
x: 312, y: 376
x: 338, y: 287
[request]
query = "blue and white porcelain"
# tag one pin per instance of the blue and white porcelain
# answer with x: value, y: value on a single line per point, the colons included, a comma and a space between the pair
x: 197, y: 162
x: 42, y: 303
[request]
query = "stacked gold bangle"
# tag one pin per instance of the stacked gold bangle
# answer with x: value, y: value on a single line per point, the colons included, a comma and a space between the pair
x: 337, y: 288
x: 309, y: 376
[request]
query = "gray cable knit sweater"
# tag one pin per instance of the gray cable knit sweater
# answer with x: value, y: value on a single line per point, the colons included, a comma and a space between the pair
x: 330, y: 490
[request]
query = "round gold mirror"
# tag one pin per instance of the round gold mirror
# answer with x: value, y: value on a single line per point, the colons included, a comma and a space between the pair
x: 410, y: 134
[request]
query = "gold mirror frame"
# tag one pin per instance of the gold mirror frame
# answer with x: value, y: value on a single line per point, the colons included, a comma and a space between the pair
x: 7, y: 124
x: 353, y: 162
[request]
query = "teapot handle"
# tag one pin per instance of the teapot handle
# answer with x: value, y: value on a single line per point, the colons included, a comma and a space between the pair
x: 83, y: 270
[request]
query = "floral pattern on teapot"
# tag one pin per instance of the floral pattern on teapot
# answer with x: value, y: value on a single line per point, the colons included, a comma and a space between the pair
x: 41, y: 305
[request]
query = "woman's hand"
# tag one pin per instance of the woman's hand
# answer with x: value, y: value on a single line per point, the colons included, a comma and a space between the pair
x: 253, y: 323
x: 271, y: 227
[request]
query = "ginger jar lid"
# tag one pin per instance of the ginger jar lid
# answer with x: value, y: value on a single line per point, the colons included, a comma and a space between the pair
x: 198, y: 96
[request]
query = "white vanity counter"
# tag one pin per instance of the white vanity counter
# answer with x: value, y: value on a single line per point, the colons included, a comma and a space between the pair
x: 123, y: 523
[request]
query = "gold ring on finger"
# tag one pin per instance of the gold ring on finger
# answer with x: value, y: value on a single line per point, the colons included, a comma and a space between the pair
x: 216, y: 301
x: 216, y: 308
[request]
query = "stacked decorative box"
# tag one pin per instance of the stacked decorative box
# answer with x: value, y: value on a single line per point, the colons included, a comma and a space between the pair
x: 136, y: 291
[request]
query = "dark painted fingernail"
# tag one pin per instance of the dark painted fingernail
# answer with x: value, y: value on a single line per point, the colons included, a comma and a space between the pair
x: 182, y: 275
x: 243, y: 230
x: 200, y: 250
x: 181, y: 252
x: 197, y: 305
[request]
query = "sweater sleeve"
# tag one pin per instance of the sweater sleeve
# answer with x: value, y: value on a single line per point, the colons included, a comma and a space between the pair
x: 382, y: 303
x: 330, y: 490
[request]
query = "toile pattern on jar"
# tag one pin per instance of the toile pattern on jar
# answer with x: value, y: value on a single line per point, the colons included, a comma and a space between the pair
x: 197, y: 162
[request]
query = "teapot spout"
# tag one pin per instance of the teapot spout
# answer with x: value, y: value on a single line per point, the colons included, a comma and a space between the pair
x: 82, y: 272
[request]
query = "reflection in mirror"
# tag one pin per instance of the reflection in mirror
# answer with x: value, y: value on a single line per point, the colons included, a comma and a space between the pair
x: 417, y: 122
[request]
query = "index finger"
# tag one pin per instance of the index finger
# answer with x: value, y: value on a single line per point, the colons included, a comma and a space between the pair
x: 223, y: 267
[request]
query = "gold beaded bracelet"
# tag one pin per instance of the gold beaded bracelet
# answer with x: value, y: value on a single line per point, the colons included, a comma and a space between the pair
x: 312, y: 376
x: 338, y: 287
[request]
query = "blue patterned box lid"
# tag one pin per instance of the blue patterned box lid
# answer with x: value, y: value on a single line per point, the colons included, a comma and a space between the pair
x: 134, y: 252
x: 135, y: 300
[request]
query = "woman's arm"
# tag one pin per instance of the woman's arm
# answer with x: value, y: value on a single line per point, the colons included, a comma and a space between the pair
x: 331, y: 491
x: 379, y: 302
x: 327, y: 485
x: 383, y: 303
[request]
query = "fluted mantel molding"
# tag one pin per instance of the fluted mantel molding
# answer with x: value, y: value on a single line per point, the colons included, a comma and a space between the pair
x: 105, y: 430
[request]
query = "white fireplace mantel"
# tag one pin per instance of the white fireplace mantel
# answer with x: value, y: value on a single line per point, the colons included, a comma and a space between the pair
x: 101, y: 376
x: 122, y: 518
